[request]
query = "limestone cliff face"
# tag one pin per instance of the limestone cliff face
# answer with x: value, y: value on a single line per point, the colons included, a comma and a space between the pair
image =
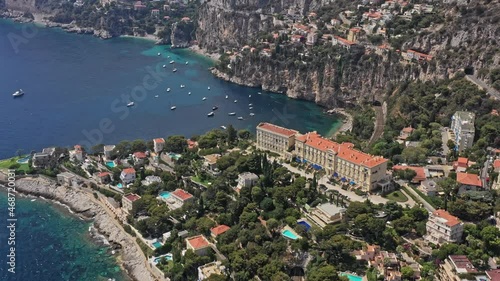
x: 343, y: 79
x: 181, y: 35
x: 33, y: 6
x: 233, y: 23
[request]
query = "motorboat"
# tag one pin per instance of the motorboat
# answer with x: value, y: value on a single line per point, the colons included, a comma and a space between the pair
x: 168, y: 89
x: 252, y: 114
x: 171, y: 62
x: 259, y: 93
x: 250, y: 108
x: 130, y: 104
x: 240, y: 118
x: 204, y: 98
x: 223, y: 127
x: 231, y: 113
x: 211, y: 114
x: 18, y: 93
x: 182, y: 86
x: 208, y: 88
x: 249, y: 96
x: 174, y: 70
x: 173, y: 107
x: 189, y: 93
x: 235, y: 101
x: 159, y: 54
x: 164, y: 65
x: 156, y: 96
x: 215, y: 108
x: 250, y: 104
x: 227, y: 97
x: 187, y: 62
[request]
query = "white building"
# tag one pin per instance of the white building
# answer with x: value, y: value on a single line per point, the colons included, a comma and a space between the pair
x: 208, y: 269
x: 151, y: 179
x: 158, y: 144
x: 247, y: 180
x: 442, y: 227
x: 275, y: 138
x: 326, y: 214
x: 128, y: 175
x: 108, y: 150
x: 128, y: 201
x: 462, y: 126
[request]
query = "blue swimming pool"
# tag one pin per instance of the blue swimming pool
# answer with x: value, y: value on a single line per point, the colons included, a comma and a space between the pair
x: 352, y: 277
x: 288, y: 234
x: 174, y: 156
x: 305, y: 224
x: 120, y: 186
x: 168, y: 257
x: 24, y: 160
x: 157, y: 244
x: 110, y: 164
x: 165, y: 194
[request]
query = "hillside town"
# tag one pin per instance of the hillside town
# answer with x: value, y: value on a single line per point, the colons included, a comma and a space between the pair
x: 287, y: 205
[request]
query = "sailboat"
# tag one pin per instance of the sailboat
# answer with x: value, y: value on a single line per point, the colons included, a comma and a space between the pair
x: 156, y: 96
x: 173, y: 107
x: 235, y: 101
x: 204, y: 98
x: 18, y: 93
x: 187, y: 62
x: 189, y: 93
x: 171, y: 62
x: 130, y: 104
x: 159, y: 54
x: 231, y: 113
x: 227, y: 96
x: 168, y: 89
x: 164, y: 65
x: 249, y: 96
x: 174, y: 70
x: 182, y: 86
x: 209, y: 88
x: 250, y: 104
x: 211, y: 114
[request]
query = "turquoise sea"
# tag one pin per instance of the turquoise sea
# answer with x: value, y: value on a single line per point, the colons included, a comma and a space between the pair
x: 77, y: 87
x: 53, y: 245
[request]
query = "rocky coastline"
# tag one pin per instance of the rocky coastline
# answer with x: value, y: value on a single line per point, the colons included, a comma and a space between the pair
x: 82, y: 204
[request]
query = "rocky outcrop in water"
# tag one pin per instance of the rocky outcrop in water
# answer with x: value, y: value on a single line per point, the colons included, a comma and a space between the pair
x: 80, y: 203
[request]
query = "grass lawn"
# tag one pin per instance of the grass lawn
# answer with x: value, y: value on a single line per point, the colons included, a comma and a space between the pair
x: 6, y: 163
x: 397, y: 196
x: 198, y: 180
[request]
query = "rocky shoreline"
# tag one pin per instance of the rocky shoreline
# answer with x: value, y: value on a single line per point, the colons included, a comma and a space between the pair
x: 131, y: 257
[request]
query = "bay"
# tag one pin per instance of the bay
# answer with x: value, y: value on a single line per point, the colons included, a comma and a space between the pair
x: 77, y: 87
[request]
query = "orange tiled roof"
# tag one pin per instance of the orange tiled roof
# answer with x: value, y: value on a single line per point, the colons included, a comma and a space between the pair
x: 103, y: 174
x: 159, y: 140
x: 140, y: 155
x: 132, y: 197
x: 469, y: 179
x: 277, y: 129
x: 315, y: 140
x: 496, y: 164
x: 420, y: 176
x: 129, y: 171
x: 408, y: 129
x: 218, y: 230
x: 344, y: 41
x: 450, y: 219
x: 462, y: 160
x: 183, y: 195
x: 198, y: 242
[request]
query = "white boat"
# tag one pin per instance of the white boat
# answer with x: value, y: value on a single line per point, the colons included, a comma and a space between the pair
x: 208, y: 88
x: 187, y: 62
x: 33, y: 200
x: 171, y: 62
x: 250, y: 108
x: 173, y: 107
x: 215, y: 108
x: 235, y: 101
x: 223, y: 127
x: 174, y: 70
x: 90, y: 228
x: 250, y: 104
x: 168, y: 89
x: 159, y: 54
x: 168, y: 57
x: 252, y: 114
x: 18, y: 93
x: 211, y: 114
x: 227, y: 97
x: 189, y: 93
x: 156, y: 96
x: 259, y: 93
x: 204, y: 98
x: 240, y: 118
x: 249, y: 96
x: 231, y: 113
x: 130, y: 104
x: 164, y: 65
x: 182, y: 86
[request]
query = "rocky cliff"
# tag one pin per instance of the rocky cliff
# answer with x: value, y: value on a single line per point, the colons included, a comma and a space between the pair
x: 233, y: 23
x: 181, y: 35
x: 79, y: 202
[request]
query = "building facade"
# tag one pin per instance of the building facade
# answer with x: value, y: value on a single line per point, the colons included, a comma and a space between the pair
x: 462, y: 127
x: 158, y: 144
x: 275, y: 138
x: 128, y: 201
x: 247, y: 179
x: 128, y: 175
x: 442, y: 227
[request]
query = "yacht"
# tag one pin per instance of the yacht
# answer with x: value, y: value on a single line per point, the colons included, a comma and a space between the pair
x: 227, y: 97
x: 171, y: 62
x: 252, y: 114
x: 211, y: 114
x: 174, y: 70
x: 33, y: 200
x: 250, y: 104
x: 164, y: 65
x: 215, y: 108
x: 159, y: 54
x: 189, y: 93
x: 173, y: 107
x: 223, y: 127
x: 18, y: 93
x: 240, y: 118
x: 250, y: 108
x: 168, y: 89
x: 249, y: 96
x: 187, y: 62
x: 156, y: 96
x: 204, y: 98
x: 231, y: 113
x: 259, y: 93
x: 182, y: 86
x: 130, y: 104
x: 208, y: 88
x: 235, y: 101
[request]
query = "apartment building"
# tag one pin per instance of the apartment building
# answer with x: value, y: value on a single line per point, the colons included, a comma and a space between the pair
x: 455, y: 265
x: 462, y: 127
x: 443, y: 227
x: 275, y: 138
x: 128, y: 201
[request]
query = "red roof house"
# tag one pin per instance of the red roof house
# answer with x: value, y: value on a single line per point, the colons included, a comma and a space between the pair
x: 469, y: 179
x: 218, y: 230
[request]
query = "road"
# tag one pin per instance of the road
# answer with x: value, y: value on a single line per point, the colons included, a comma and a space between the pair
x: 349, y: 194
x: 491, y: 91
x: 414, y: 193
x: 380, y: 114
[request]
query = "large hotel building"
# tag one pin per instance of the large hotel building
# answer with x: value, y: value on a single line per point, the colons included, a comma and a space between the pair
x: 341, y: 161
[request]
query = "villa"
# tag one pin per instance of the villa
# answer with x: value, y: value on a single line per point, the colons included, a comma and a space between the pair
x: 208, y: 269
x: 139, y: 157
x: 42, y: 159
x: 326, y: 214
x: 421, y: 172
x: 468, y: 182
x: 158, y: 144
x: 192, y: 144
x: 128, y: 175
x: 247, y: 180
x: 76, y: 154
x: 150, y: 180
x: 218, y: 230
x: 178, y: 198
x: 67, y: 179
x: 210, y: 163
x: 128, y: 201
x: 104, y: 177
x: 198, y: 244
x: 442, y: 227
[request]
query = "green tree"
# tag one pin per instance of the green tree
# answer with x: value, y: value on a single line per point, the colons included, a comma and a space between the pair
x: 323, y: 273
x: 176, y: 144
x: 231, y: 134
x: 407, y: 273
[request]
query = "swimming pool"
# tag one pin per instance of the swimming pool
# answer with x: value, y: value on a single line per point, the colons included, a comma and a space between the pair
x: 164, y: 195
x: 305, y: 224
x: 120, y: 186
x: 352, y: 277
x: 110, y: 164
x: 24, y: 160
x: 288, y: 234
x: 168, y: 257
x: 174, y: 156
x: 157, y: 245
